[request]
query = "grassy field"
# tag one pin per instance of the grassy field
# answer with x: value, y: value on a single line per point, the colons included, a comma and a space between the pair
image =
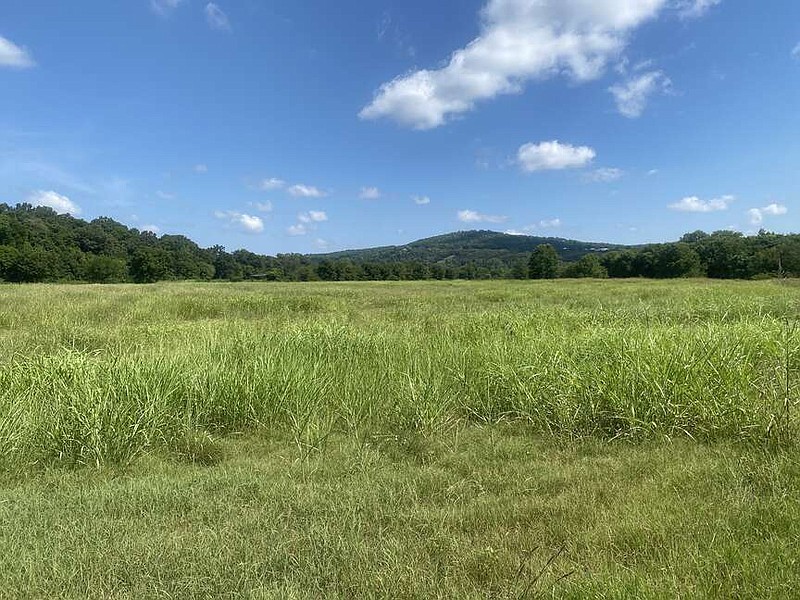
x: 403, y: 440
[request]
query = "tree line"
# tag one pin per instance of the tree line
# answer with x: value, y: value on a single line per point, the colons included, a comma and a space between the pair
x: 39, y: 245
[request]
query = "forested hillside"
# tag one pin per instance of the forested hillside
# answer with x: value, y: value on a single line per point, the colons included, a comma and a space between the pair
x: 37, y: 244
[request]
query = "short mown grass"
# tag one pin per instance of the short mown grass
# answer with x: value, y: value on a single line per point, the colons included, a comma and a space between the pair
x: 450, y: 439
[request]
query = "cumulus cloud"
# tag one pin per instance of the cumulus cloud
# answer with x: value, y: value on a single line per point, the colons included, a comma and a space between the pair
x: 773, y: 210
x: 13, y: 56
x: 244, y: 222
x: 421, y: 200
x: 553, y: 156
x: 370, y: 193
x: 59, y: 203
x: 471, y: 216
x: 273, y: 183
x: 151, y: 228
x: 604, y: 175
x: 305, y: 191
x: 632, y: 96
x: 216, y: 18
x: 312, y: 216
x: 694, y: 9
x: 520, y: 40
x: 696, y: 205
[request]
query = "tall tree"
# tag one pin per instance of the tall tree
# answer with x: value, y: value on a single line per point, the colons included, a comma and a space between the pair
x: 543, y: 263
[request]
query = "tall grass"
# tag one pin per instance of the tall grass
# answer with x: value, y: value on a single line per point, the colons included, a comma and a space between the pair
x: 97, y: 375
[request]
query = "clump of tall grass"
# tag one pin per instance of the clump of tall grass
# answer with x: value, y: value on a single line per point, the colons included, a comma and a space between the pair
x: 114, y: 373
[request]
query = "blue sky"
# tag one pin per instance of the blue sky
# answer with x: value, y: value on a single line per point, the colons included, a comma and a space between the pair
x: 311, y: 125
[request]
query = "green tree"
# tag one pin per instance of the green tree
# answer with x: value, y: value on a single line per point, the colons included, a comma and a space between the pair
x: 588, y: 266
x: 149, y: 265
x: 543, y: 263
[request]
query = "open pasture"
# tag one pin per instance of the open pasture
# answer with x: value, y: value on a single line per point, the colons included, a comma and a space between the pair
x: 466, y: 439
x: 101, y: 375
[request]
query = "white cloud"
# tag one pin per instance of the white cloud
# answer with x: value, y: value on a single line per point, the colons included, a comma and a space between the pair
x: 13, y: 56
x: 263, y: 206
x: 151, y: 228
x: 215, y: 18
x: 321, y: 244
x: 520, y: 40
x: 796, y: 51
x: 297, y: 230
x: 773, y: 210
x: 370, y: 193
x: 421, y: 200
x: 164, y: 7
x: 273, y: 183
x: 632, y: 96
x: 305, y: 191
x: 312, y: 216
x: 247, y: 223
x: 693, y: 9
x: 201, y: 168
x: 551, y: 224
x: 653, y: 172
x: 543, y: 224
x: 553, y: 156
x: 471, y: 216
x: 165, y: 195
x: 604, y: 175
x: 60, y: 204
x: 696, y: 205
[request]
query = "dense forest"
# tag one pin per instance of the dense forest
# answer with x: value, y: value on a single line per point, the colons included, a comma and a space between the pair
x: 37, y: 245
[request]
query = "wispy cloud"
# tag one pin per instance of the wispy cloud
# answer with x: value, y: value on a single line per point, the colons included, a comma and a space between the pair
x: 273, y: 183
x: 201, y: 168
x: 605, y: 175
x: 421, y: 200
x: 13, y: 56
x: 216, y: 18
x: 59, y: 203
x: 471, y: 216
x: 529, y: 229
x: 264, y: 207
x: 694, y: 9
x: 312, y: 216
x: 297, y: 230
x: 370, y: 193
x: 305, y: 191
x: 553, y: 155
x: 796, y: 52
x: 164, y: 7
x: 696, y: 205
x: 633, y: 95
x: 165, y: 195
x: 243, y: 222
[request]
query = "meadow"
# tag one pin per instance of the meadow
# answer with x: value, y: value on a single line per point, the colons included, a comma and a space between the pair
x: 586, y: 439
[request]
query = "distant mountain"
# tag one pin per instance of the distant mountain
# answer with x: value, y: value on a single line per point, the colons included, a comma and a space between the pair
x: 470, y: 246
